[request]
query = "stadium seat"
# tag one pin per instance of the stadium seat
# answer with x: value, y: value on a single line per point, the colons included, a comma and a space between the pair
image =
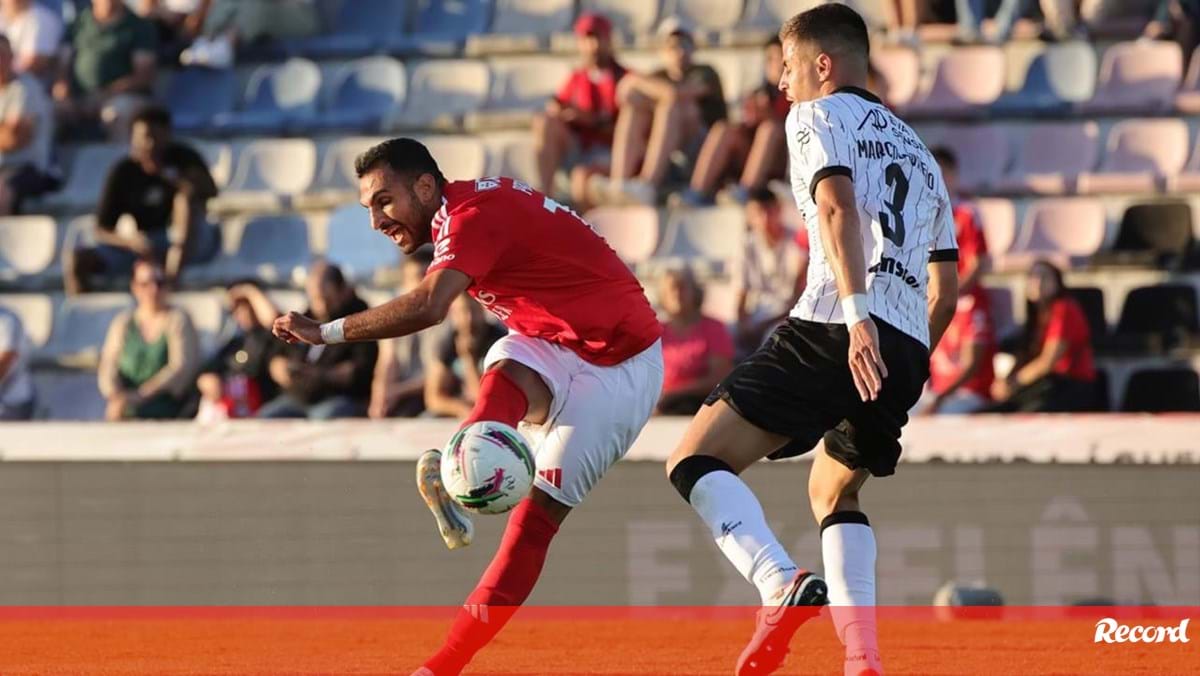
x: 630, y: 18
x: 1140, y: 155
x: 363, y: 94
x: 522, y: 26
x: 1050, y: 157
x: 631, y: 231
x: 336, y: 181
x: 730, y: 67
x: 998, y: 217
x: 355, y: 246
x: 80, y: 325
x: 267, y: 173
x: 205, y: 310
x: 1137, y: 77
x: 36, y: 312
x: 461, y: 158
x: 197, y: 96
x: 519, y: 87
x: 1155, y: 318
x: 359, y: 27
x: 711, y: 236
x: 707, y: 18
x: 1188, y: 99
x: 440, y: 27
x: 1162, y: 390
x: 89, y: 169
x: 899, y: 74
x: 964, y: 81
x: 983, y: 152
x: 1188, y: 180
x: 510, y: 154
x: 769, y: 15
x: 279, y: 97
x: 1091, y: 300
x: 1154, y: 235
x: 218, y: 156
x: 1066, y: 230
x: 440, y: 92
x: 27, y: 247
x: 876, y: 13
x: 1062, y: 75
x: 67, y: 395
x: 272, y: 248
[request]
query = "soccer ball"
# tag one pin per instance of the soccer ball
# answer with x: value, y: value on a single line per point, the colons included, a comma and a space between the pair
x: 487, y: 467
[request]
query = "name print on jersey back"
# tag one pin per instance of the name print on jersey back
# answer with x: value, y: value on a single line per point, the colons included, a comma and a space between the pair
x: 902, y: 202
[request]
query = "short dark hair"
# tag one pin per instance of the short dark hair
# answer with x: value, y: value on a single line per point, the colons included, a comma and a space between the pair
x: 405, y: 156
x: 835, y: 27
x: 944, y: 156
x: 153, y: 116
x: 763, y: 196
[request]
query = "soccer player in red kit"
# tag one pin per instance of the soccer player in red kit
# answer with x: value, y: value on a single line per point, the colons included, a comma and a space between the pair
x: 580, y: 370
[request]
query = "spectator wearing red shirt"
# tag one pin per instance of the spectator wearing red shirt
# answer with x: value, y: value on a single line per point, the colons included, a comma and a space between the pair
x: 577, y: 125
x: 697, y: 350
x: 756, y: 143
x: 1056, y: 374
x: 960, y: 369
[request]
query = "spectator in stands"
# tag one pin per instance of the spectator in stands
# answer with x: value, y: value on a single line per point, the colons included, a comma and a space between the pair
x: 108, y: 72
x: 577, y: 124
x: 1178, y: 20
x: 229, y: 24
x: 1055, y: 373
x: 671, y: 109
x: 26, y: 136
x: 148, y: 363
x: 235, y: 381
x: 452, y: 383
x: 400, y: 374
x: 322, y: 382
x: 756, y: 144
x: 960, y: 369
x: 178, y: 23
x: 697, y: 350
x: 771, y: 271
x: 164, y: 186
x: 16, y: 387
x: 35, y: 32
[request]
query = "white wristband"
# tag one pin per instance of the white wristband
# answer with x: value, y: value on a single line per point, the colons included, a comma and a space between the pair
x: 854, y: 309
x: 332, y: 332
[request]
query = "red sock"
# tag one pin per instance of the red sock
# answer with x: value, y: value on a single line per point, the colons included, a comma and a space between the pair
x: 500, y: 399
x: 504, y: 586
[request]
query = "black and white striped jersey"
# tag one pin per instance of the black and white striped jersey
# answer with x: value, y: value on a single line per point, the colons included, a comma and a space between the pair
x: 903, y: 207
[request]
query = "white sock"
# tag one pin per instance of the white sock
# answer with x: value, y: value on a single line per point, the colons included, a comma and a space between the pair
x: 848, y: 550
x: 740, y: 529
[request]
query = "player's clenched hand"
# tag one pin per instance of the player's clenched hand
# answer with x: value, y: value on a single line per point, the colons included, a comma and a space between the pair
x: 296, y: 328
x: 866, y: 363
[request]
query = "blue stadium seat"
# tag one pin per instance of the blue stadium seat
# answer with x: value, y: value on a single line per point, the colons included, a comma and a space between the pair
x: 279, y: 98
x: 273, y: 248
x: 363, y: 94
x: 67, y: 395
x: 522, y: 26
x: 89, y: 169
x: 358, y: 28
x: 196, y: 96
x: 335, y: 182
x: 1056, y: 79
x: 441, y: 27
x: 355, y: 247
x: 80, y: 325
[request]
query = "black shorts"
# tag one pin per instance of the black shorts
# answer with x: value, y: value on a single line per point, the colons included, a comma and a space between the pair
x: 798, y: 385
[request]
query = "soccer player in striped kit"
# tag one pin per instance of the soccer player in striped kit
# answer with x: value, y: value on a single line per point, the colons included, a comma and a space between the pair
x: 851, y: 359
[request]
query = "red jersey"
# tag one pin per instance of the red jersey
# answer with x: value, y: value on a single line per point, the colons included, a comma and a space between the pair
x: 542, y: 270
x: 968, y: 232
x: 593, y: 91
x: 971, y: 324
x: 1067, y: 323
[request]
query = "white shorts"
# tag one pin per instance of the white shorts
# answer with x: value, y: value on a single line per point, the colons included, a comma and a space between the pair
x: 596, y: 412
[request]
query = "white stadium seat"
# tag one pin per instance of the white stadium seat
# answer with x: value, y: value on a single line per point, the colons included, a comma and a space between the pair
x: 441, y: 91
x: 207, y: 314
x: 36, y: 312
x: 461, y: 158
x: 710, y: 235
x: 267, y: 173
x: 27, y: 246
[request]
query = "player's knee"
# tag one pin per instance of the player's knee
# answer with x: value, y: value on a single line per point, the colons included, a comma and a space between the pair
x: 685, y: 473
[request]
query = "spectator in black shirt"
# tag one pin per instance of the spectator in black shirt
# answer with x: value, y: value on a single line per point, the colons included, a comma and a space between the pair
x: 235, y: 382
x: 164, y: 186
x: 321, y: 382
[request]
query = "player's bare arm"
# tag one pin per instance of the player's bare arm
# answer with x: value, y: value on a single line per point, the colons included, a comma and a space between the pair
x: 418, y: 309
x: 837, y: 214
x: 943, y: 298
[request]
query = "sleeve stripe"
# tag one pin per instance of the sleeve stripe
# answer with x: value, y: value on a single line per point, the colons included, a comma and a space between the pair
x: 943, y: 255
x: 836, y: 170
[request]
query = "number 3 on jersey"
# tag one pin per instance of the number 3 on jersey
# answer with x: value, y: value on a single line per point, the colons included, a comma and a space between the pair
x: 892, y: 220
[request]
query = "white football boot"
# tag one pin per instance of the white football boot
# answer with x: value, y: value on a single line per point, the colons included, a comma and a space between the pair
x: 454, y: 523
